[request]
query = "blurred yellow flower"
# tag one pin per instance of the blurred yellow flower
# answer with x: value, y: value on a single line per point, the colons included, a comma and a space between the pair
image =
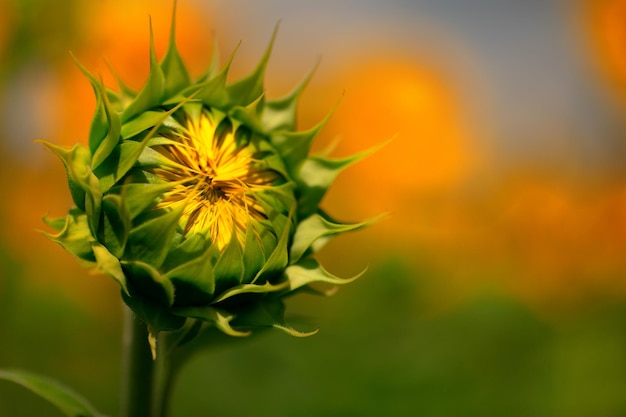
x: 606, y: 24
x: 433, y: 148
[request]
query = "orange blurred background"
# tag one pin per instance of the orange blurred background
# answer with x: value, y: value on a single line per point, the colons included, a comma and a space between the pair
x: 507, y: 122
x: 475, y: 197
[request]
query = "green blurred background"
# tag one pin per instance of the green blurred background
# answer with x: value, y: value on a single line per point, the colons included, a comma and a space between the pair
x: 497, y: 285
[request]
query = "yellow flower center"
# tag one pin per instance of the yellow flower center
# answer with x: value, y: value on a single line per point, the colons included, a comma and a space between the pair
x: 215, y: 176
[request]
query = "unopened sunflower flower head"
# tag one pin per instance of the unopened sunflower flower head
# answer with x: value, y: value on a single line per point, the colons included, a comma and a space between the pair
x: 199, y: 197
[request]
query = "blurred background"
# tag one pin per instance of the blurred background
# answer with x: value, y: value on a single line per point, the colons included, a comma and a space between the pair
x: 497, y: 284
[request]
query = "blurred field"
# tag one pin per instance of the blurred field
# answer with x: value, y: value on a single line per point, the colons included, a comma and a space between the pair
x: 496, y: 285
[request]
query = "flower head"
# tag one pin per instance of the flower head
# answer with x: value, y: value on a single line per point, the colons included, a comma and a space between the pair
x: 200, y: 198
x: 217, y: 172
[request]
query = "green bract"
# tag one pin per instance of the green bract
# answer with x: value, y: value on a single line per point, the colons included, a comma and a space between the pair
x: 200, y: 198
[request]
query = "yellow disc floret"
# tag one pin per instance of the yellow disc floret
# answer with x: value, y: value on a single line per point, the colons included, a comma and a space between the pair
x: 215, y: 176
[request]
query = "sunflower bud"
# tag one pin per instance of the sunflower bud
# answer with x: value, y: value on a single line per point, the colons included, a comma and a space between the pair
x: 200, y: 198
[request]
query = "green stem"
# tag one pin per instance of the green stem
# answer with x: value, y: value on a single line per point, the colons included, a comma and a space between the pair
x: 163, y: 381
x: 169, y: 363
x: 137, y: 368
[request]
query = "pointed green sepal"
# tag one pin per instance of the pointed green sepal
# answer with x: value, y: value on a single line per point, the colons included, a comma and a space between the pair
x: 119, y: 162
x: 269, y: 312
x: 109, y: 265
x: 277, y: 200
x: 250, y: 289
x: 187, y: 249
x: 309, y: 271
x: 151, y: 94
x: 249, y: 115
x: 125, y: 156
x: 155, y: 315
x: 76, y: 236
x: 126, y: 94
x: 100, y: 122
x: 294, y: 146
x: 250, y: 88
x: 278, y: 260
x: 229, y: 266
x: 316, y: 176
x: 214, y: 63
x: 116, y: 224
x: 174, y: 70
x: 253, y: 255
x: 315, y: 228
x: 112, y: 138
x: 139, y: 197
x: 194, y: 280
x: 213, y: 92
x: 56, y: 223
x: 148, y: 281
x: 219, y: 318
x: 144, y: 121
x: 75, y: 160
x: 149, y: 242
x: 93, y: 198
x: 280, y: 114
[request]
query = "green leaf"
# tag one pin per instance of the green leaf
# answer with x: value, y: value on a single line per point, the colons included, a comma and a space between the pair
x: 151, y: 94
x: 63, y: 398
x: 315, y: 227
x: 250, y: 88
x: 217, y: 317
x: 194, y: 280
x: 108, y: 264
x: 150, y: 241
x: 174, y: 70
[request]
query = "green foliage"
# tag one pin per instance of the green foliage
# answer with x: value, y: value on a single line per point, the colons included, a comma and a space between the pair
x: 65, y: 399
